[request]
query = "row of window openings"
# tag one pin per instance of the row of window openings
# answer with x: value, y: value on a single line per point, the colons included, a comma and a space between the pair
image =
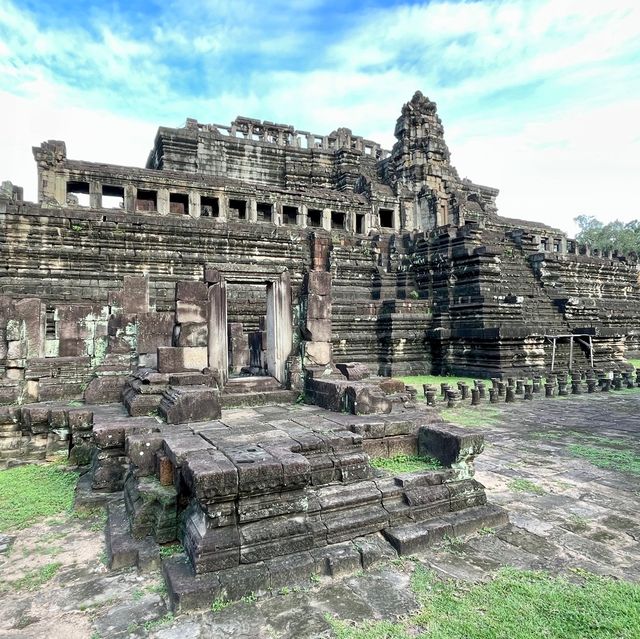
x: 147, y: 200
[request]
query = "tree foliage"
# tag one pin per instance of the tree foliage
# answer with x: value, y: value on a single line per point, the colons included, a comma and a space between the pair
x: 614, y: 236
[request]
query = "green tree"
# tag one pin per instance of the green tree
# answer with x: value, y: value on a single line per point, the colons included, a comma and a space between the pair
x: 614, y: 236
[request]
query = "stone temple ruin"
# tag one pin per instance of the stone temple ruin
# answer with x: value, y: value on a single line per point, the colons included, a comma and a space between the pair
x: 258, y: 265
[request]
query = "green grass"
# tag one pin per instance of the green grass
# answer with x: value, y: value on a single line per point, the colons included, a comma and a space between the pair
x: 514, y: 604
x: 622, y: 460
x: 31, y: 492
x: 634, y: 362
x: 170, y: 550
x: 472, y: 416
x: 405, y: 463
x: 36, y: 578
x: 525, y: 486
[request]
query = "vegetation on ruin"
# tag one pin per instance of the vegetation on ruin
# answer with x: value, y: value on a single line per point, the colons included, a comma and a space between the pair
x: 515, y: 603
x: 31, y: 492
x: 525, y: 486
x: 406, y: 463
x: 34, y: 579
x: 614, y: 236
x: 625, y: 461
x: 482, y: 415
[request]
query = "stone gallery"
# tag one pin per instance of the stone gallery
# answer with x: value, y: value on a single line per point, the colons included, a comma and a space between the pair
x: 256, y: 264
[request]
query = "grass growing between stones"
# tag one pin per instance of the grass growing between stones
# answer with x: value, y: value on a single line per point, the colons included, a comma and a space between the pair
x: 472, y: 416
x: 31, y: 492
x: 622, y: 460
x: 515, y: 604
x: 405, y: 463
x: 525, y: 486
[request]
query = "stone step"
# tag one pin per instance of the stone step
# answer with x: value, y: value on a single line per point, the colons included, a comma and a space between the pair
x: 412, y: 538
x: 253, y: 384
x: 237, y: 400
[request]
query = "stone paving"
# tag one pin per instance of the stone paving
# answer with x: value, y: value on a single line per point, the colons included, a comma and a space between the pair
x: 565, y: 513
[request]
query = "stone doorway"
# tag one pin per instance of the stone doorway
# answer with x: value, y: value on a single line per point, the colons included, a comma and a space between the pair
x: 275, y: 340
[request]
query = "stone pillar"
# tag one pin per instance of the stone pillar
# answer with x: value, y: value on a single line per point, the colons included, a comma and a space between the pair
x: 301, y: 220
x: 194, y: 204
x: 218, y: 354
x: 95, y: 195
x: 278, y: 326
x: 252, y: 210
x: 130, y: 194
x: 162, y: 201
x: 316, y: 330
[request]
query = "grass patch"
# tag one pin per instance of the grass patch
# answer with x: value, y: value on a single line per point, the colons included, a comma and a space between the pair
x: 170, y: 550
x: 472, y: 417
x: 623, y: 460
x: 36, y: 578
x: 405, y: 463
x: 525, y: 486
x: 634, y: 362
x: 30, y: 492
x: 515, y: 604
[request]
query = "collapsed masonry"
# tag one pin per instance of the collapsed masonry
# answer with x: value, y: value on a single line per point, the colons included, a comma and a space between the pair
x: 257, y: 264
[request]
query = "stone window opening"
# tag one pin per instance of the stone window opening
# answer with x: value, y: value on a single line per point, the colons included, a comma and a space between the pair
x: 386, y: 218
x: 368, y: 150
x: 78, y: 193
x: 289, y: 215
x: 360, y: 228
x: 179, y: 203
x: 314, y: 218
x: 317, y: 143
x: 51, y: 328
x: 209, y: 206
x: 556, y: 246
x: 146, y: 200
x: 238, y: 209
x: 112, y: 197
x: 265, y: 211
x: 337, y: 220
x: 544, y: 246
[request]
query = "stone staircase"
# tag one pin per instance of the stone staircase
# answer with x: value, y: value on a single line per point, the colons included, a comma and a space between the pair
x: 255, y: 391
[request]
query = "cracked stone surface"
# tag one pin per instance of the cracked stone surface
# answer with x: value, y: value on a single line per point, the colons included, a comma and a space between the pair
x: 568, y: 514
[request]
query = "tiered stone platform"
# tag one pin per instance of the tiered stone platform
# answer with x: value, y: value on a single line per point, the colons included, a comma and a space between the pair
x: 268, y: 497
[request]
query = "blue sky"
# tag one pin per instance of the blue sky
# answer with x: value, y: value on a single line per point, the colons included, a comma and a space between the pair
x: 539, y: 98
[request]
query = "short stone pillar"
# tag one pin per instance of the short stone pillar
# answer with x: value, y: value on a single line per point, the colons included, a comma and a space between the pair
x: 605, y: 384
x: 628, y: 379
x: 638, y: 376
x: 464, y: 390
x: 576, y: 386
x: 549, y: 389
x: 592, y: 385
x: 562, y: 387
x: 495, y: 381
x: 444, y: 387
x: 475, y: 396
x: 510, y: 395
x: 502, y: 388
x: 482, y: 389
x: 453, y: 398
x: 617, y: 381
x: 536, y: 385
x: 528, y: 390
x: 493, y: 396
x: 511, y: 382
x: 430, y: 396
x: 519, y: 386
